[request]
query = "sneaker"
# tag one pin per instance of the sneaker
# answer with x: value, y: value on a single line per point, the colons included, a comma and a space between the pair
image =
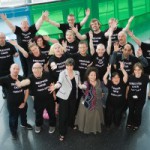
x: 27, y: 126
x: 51, y: 129
x: 14, y: 136
x: 135, y: 128
x: 37, y: 129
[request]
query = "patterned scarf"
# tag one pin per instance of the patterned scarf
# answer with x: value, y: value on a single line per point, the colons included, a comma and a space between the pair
x: 90, y: 97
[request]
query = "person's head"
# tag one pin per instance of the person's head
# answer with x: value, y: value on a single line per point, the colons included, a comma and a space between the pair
x: 112, y: 21
x: 37, y: 70
x: 138, y: 70
x: 39, y: 40
x: 122, y: 38
x: 57, y: 50
x: 127, y: 50
x: 95, y: 25
x: 34, y: 49
x: 24, y: 26
x: 14, y: 70
x: 91, y: 74
x: 100, y: 50
x: 83, y: 47
x: 70, y: 36
x: 115, y: 78
x: 71, y: 19
x: 2, y: 39
x: 69, y: 64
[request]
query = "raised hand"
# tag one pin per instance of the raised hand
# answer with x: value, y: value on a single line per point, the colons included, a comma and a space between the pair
x: 74, y: 29
x: 121, y: 65
x: 130, y: 19
x: 139, y: 52
x: 45, y: 16
x: 46, y: 37
x: 87, y: 12
x: 3, y: 16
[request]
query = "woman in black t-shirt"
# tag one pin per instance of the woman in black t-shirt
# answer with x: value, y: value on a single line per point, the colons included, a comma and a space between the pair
x: 136, y: 95
x: 115, y: 101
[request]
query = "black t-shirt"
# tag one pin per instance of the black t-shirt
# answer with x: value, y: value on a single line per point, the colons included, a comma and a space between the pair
x: 24, y: 37
x: 6, y: 58
x: 65, y: 26
x: 15, y: 95
x: 128, y: 63
x: 138, y: 86
x: 42, y: 59
x: 60, y: 62
x: 101, y: 64
x: 116, y: 91
x: 81, y: 63
x: 146, y: 53
x: 40, y: 86
x: 97, y: 39
x: 72, y: 47
x: 45, y: 50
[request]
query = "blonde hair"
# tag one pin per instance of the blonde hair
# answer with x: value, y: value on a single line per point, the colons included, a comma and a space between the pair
x: 31, y: 44
x: 70, y: 31
x: 100, y: 46
x: 51, y: 51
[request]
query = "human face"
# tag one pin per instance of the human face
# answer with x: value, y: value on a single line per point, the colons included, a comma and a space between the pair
x: 14, y: 70
x: 127, y: 51
x: 100, y: 51
x: 69, y: 68
x: 92, y: 76
x: 40, y: 42
x: 122, y: 38
x: 95, y: 26
x: 137, y: 72
x: 2, y: 39
x: 35, y: 50
x: 83, y: 49
x: 69, y: 37
x: 71, y: 20
x: 24, y: 26
x: 58, y: 50
x: 37, y: 70
x: 116, y: 80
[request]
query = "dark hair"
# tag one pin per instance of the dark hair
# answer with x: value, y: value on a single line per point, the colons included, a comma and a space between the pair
x: 38, y: 37
x: 83, y: 42
x: 70, y: 62
x: 89, y: 70
x: 115, y: 74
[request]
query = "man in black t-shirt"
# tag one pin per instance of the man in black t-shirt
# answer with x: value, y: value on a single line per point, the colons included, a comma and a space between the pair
x: 24, y: 34
x: 7, y: 53
x: 39, y: 83
x: 98, y: 35
x: 16, y: 100
x: 71, y: 23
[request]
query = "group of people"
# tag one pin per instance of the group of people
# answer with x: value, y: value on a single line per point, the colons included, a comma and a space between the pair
x: 90, y: 79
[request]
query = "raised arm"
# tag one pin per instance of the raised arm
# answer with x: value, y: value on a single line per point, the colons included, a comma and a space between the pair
x: 128, y: 24
x: 56, y: 24
x: 8, y: 22
x: 92, y: 50
x: 79, y: 36
x: 105, y: 77
x: 108, y: 49
x: 87, y: 12
x: 125, y: 75
x: 40, y: 21
x: 49, y: 39
x: 24, y: 53
x: 137, y: 41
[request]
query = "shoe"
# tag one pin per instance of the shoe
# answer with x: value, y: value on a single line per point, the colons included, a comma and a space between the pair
x: 51, y: 129
x: 27, y: 126
x: 37, y: 129
x: 61, y: 138
x: 129, y: 126
x: 14, y: 136
x: 135, y: 128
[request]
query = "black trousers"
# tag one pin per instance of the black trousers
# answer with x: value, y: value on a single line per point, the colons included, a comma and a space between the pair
x: 14, y: 113
x: 24, y: 65
x: 113, y: 113
x: 39, y: 106
x: 67, y: 112
x: 135, y: 111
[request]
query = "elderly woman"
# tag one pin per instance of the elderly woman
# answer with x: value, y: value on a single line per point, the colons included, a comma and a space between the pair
x: 68, y: 93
